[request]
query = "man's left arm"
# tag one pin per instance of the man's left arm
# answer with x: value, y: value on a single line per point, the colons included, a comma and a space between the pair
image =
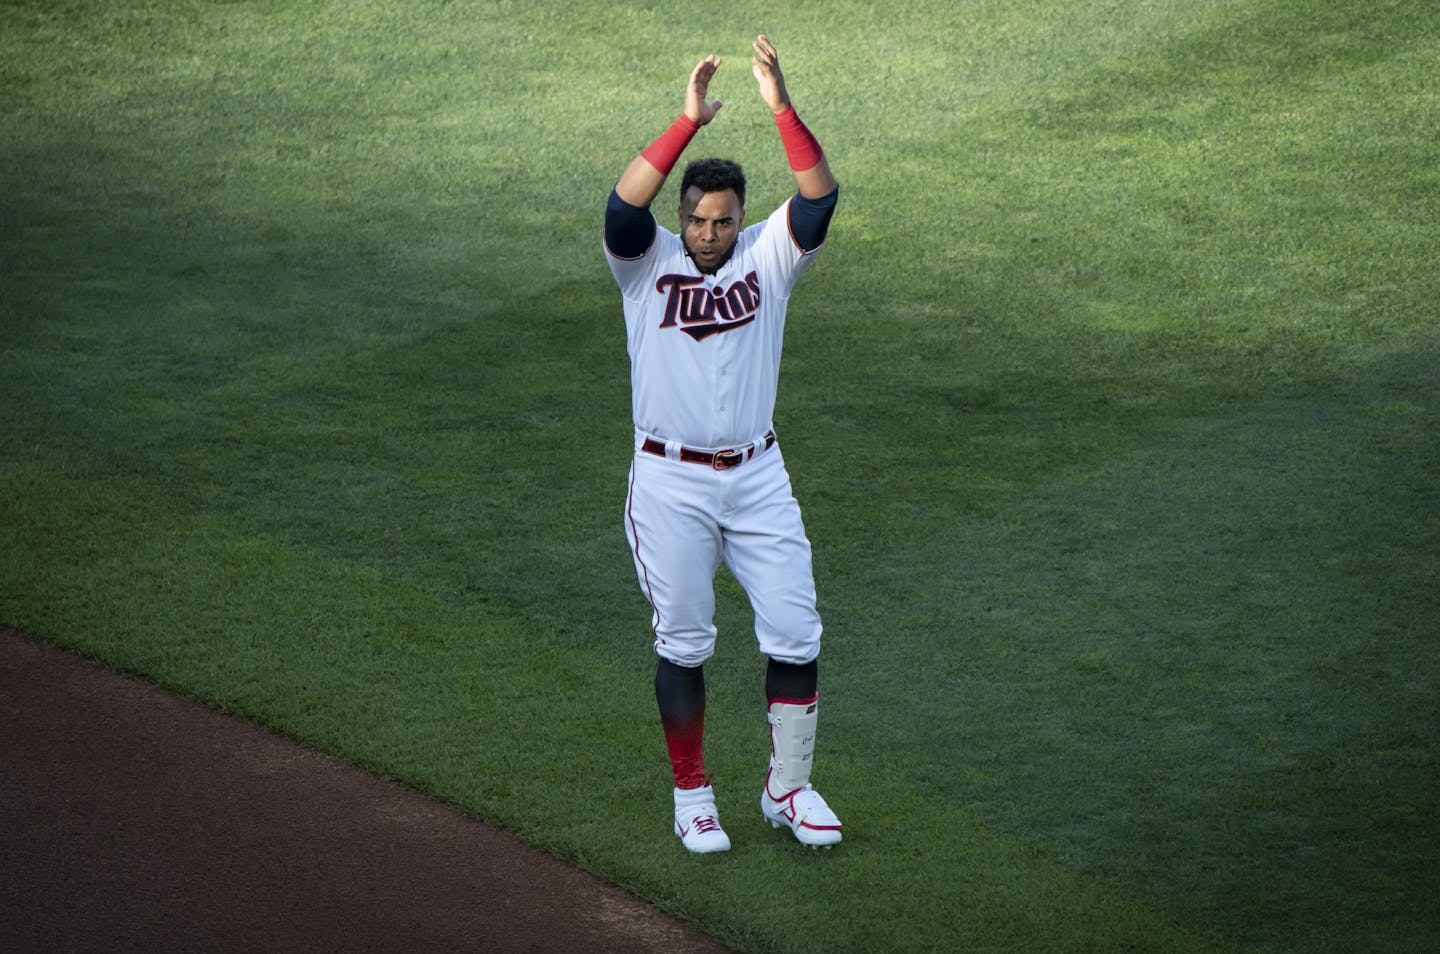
x: 807, y: 161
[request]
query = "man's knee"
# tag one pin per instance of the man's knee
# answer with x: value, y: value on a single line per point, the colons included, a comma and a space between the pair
x: 687, y: 652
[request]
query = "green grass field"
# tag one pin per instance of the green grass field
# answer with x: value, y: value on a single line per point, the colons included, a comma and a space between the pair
x: 1113, y: 406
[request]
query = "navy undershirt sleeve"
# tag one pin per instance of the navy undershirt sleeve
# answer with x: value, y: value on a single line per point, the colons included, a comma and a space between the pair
x: 810, y: 219
x: 629, y: 229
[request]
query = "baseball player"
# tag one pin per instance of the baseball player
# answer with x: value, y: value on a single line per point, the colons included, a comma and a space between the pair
x: 705, y: 318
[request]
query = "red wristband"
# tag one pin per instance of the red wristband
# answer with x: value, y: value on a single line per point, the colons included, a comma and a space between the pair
x: 801, y: 148
x: 664, y: 151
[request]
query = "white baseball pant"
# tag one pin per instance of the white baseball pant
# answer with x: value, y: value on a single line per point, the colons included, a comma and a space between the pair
x: 682, y: 519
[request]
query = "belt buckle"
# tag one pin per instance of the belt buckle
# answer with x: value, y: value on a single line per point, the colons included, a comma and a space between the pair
x: 724, y: 460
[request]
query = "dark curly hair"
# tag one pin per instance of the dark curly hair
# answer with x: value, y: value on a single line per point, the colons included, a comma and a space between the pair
x: 714, y: 175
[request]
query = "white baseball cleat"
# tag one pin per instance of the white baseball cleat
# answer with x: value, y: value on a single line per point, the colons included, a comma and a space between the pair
x: 697, y: 822
x: 805, y: 813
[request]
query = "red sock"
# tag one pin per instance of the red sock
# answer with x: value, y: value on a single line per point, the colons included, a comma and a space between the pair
x: 686, y: 743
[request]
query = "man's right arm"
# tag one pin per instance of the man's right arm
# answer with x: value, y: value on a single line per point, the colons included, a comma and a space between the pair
x: 629, y: 226
x: 642, y: 180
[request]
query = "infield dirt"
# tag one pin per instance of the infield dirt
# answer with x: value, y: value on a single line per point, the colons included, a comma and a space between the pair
x: 134, y: 820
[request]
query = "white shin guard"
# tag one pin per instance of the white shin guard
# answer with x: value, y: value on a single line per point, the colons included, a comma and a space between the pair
x: 792, y: 746
x: 788, y: 799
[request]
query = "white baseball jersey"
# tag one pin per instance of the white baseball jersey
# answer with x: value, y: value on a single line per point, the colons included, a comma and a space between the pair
x: 705, y: 349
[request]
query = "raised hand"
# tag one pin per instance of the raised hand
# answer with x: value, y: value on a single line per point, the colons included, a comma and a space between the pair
x: 765, y: 66
x: 696, y: 106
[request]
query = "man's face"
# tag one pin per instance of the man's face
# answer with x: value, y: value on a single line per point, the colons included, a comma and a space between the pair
x: 710, y: 224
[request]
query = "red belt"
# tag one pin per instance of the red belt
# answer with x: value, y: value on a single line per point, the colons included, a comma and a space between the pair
x: 720, y: 460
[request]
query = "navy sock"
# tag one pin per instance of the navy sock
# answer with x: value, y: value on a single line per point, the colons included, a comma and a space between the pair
x: 680, y: 694
x: 794, y: 683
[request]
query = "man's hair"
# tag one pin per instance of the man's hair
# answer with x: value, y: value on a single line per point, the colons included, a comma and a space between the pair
x: 714, y: 175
